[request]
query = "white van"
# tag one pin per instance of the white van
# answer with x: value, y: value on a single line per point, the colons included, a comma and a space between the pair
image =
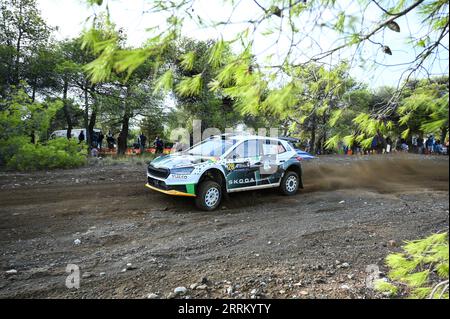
x: 75, y: 132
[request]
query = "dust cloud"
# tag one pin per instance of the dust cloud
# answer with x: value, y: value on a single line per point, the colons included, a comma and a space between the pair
x: 388, y: 174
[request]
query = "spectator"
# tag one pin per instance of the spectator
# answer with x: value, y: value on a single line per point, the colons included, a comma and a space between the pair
x: 381, y: 147
x: 94, y: 152
x: 81, y: 137
x: 142, y: 141
x: 429, y: 144
x: 398, y: 144
x: 437, y: 147
x: 414, y: 144
x: 110, y: 140
x: 374, y: 145
x: 388, y: 144
x: 420, y: 145
x: 94, y: 140
x: 100, y: 140
x: 159, y: 145
x: 345, y: 149
x: 404, y: 146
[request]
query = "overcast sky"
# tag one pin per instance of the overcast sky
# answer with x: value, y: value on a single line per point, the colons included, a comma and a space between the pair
x: 70, y: 18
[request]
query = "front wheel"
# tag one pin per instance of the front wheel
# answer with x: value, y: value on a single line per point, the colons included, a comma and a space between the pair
x: 209, y: 195
x: 289, y: 183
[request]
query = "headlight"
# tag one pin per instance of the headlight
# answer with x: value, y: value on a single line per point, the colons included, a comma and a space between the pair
x: 182, y: 170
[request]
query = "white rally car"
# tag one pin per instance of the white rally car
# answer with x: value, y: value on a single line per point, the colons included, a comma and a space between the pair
x: 225, y: 164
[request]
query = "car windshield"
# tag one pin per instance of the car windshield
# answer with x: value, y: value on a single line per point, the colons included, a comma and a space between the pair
x: 211, y: 147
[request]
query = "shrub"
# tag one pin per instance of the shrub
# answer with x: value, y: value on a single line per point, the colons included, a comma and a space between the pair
x: 58, y: 153
x: 421, y: 271
x: 10, y: 146
x: 21, y: 118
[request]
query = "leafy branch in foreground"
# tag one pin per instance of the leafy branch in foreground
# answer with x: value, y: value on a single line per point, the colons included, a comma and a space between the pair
x: 307, y: 90
x: 421, y: 271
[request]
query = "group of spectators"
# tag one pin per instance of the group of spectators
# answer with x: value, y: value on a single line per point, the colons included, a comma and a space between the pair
x: 141, y: 144
x: 429, y: 146
x: 98, y: 137
x: 381, y: 145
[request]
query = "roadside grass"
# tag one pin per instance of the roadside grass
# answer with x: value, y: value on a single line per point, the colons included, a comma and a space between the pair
x: 104, y: 160
x: 111, y: 160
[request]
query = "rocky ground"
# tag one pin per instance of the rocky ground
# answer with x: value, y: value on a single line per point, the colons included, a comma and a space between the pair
x: 130, y: 242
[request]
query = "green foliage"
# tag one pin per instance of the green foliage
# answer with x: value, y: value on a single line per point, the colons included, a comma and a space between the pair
x: 165, y: 82
x: 339, y: 26
x: 20, y: 118
x: 333, y: 142
x: 187, y: 61
x: 312, y: 99
x: 217, y: 52
x: 23, y: 34
x: 419, y: 267
x: 385, y: 287
x: 190, y: 86
x: 57, y: 153
x: 425, y: 107
x: 335, y: 116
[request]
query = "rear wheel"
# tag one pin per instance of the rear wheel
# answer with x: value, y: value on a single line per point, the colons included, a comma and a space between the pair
x: 209, y: 195
x: 289, y: 183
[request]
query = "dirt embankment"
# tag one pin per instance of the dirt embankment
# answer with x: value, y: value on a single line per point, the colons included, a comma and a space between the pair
x: 352, y: 212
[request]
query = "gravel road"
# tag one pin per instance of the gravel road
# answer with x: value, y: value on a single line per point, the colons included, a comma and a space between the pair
x: 130, y: 242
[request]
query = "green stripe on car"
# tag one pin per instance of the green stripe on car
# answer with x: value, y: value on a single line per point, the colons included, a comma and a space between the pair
x: 190, y: 188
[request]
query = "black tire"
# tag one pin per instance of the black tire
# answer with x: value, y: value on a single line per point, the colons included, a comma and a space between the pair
x: 289, y: 183
x: 201, y: 200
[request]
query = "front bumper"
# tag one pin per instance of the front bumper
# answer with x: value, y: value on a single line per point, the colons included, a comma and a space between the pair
x: 169, y: 192
x: 177, y: 190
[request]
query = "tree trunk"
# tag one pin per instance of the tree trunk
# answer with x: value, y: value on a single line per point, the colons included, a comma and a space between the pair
x: 123, y: 135
x: 18, y: 48
x: 33, y: 92
x: 66, y: 110
x: 92, y: 121
x: 443, y: 134
x: 312, y: 142
x: 324, y: 140
x: 86, y: 116
x: 33, y: 97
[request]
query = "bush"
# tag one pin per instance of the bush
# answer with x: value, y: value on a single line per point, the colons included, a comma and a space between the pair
x: 421, y: 271
x: 10, y: 146
x: 58, y: 153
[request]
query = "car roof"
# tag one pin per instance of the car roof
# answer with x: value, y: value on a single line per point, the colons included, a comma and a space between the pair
x: 242, y: 137
x: 289, y: 139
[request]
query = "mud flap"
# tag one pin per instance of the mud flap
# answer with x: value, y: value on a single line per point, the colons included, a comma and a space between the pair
x: 300, y: 182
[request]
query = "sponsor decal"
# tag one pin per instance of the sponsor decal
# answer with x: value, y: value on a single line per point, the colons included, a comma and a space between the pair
x: 180, y: 176
x: 241, y: 181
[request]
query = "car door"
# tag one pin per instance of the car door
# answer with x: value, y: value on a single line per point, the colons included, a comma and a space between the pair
x: 243, y: 164
x: 273, y: 157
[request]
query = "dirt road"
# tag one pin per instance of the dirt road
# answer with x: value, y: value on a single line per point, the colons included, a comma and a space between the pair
x: 317, y: 244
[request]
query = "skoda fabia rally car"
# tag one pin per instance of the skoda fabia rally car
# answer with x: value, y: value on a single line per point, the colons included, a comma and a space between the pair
x: 224, y: 164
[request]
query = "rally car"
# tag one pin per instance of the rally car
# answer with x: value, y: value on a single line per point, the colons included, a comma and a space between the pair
x: 225, y: 164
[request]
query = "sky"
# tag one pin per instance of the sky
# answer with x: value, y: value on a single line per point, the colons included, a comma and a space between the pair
x: 70, y: 16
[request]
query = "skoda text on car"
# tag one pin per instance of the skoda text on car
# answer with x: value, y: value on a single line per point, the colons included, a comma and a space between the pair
x: 225, y: 164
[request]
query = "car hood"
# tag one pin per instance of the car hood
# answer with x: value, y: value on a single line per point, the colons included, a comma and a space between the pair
x: 180, y: 160
x: 303, y: 154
